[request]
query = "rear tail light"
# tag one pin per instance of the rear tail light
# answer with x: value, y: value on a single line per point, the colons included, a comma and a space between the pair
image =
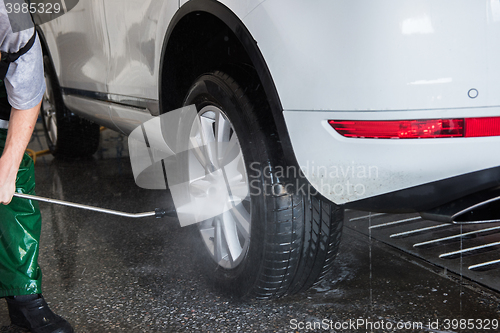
x: 417, y: 129
x: 482, y: 126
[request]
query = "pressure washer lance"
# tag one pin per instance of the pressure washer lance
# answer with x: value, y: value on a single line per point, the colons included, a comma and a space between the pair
x: 158, y: 212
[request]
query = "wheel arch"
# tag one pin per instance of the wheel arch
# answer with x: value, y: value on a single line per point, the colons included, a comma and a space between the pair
x: 187, y: 54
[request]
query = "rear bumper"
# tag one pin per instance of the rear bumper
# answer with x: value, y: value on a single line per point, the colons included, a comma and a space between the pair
x: 391, y: 174
x: 427, y: 196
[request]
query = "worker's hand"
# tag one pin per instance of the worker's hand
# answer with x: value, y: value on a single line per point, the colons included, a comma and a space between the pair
x: 21, y: 125
x: 8, y: 173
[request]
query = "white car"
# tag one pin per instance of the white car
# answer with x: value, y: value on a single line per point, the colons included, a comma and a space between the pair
x: 381, y: 105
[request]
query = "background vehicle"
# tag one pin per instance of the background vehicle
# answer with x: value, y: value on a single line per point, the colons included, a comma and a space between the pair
x: 372, y: 100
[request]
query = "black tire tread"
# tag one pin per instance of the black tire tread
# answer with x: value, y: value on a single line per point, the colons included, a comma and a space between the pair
x: 301, y: 269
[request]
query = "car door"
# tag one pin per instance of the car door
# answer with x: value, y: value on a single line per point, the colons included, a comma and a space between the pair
x: 79, y: 47
x: 136, y: 30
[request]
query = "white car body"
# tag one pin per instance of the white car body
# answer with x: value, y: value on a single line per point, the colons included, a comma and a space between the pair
x: 328, y: 59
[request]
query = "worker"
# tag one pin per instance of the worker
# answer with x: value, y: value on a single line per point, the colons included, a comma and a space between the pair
x: 21, y: 93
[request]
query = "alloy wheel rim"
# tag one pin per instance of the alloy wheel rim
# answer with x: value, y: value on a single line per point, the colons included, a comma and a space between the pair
x: 215, y: 153
x: 49, y: 112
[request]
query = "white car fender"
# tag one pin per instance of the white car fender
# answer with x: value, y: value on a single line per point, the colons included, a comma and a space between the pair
x: 380, y: 55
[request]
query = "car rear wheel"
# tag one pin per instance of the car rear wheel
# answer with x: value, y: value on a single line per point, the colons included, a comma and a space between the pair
x: 277, y: 236
x: 67, y: 135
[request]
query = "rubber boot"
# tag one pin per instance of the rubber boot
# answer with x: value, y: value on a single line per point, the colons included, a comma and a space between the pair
x: 36, y: 316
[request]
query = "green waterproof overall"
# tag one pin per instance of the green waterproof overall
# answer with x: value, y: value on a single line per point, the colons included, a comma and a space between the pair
x: 20, y: 227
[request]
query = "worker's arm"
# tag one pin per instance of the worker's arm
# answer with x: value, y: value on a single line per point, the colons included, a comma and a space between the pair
x: 21, y: 125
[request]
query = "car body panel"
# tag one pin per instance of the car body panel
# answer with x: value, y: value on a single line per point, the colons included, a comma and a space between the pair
x: 136, y: 30
x: 81, y: 105
x: 328, y: 59
x: 79, y: 46
x: 380, y: 55
x: 381, y: 60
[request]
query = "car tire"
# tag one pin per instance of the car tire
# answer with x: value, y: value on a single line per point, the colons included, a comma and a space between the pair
x: 294, y: 232
x: 67, y: 134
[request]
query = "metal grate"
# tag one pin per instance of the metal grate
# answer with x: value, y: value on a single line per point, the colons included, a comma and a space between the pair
x: 471, y: 250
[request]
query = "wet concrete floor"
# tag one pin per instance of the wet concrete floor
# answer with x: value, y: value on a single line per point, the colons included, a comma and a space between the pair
x: 112, y: 274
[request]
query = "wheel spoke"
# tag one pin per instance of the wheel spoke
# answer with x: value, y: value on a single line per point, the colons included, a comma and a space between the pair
x: 239, y: 192
x: 220, y: 248
x: 53, y: 129
x: 242, y: 218
x: 199, y: 187
x: 231, y: 150
x: 222, y: 133
x: 49, y: 112
x: 222, y: 128
x: 233, y: 169
x: 237, y: 183
x: 209, y: 143
x: 207, y: 231
x: 198, y: 151
x: 231, y: 235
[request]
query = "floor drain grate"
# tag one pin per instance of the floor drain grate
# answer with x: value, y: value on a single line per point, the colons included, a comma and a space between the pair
x: 472, y: 250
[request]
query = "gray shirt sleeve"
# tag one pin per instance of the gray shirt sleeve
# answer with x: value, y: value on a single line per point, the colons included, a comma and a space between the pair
x: 24, y: 82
